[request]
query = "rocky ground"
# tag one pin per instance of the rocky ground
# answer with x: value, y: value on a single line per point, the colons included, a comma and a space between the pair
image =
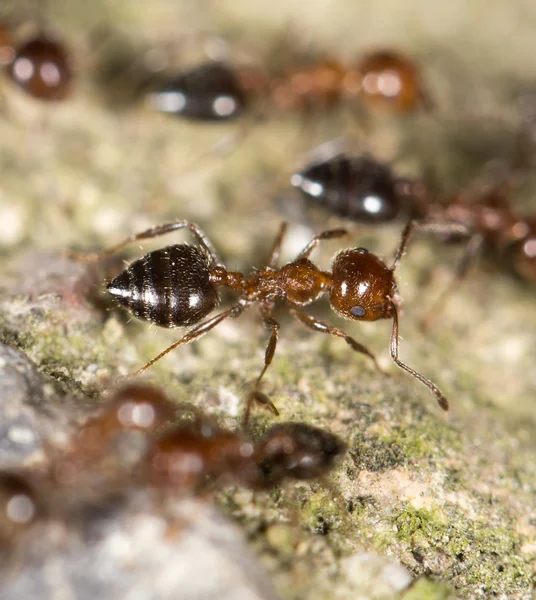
x: 425, y: 504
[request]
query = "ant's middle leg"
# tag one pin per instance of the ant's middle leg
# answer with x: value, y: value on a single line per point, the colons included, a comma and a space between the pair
x: 317, y: 325
x: 256, y: 396
x: 156, y: 231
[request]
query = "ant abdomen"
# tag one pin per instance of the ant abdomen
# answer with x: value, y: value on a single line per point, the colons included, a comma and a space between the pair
x: 210, y: 92
x: 170, y: 287
x: 359, y: 188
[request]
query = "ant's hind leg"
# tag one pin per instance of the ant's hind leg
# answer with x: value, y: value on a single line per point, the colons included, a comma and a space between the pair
x: 153, y: 232
x: 441, y: 400
x: 439, y: 228
x: 317, y: 325
x: 469, y: 257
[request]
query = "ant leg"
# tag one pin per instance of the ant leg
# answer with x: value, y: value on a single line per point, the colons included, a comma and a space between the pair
x: 442, y: 401
x: 194, y: 334
x: 331, y: 234
x: 469, y: 256
x: 404, y: 241
x: 269, y: 323
x: 445, y: 229
x: 317, y: 325
x: 156, y: 231
x: 276, y: 248
x: 256, y: 395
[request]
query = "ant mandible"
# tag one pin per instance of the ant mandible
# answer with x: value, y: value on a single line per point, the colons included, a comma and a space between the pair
x: 177, y: 286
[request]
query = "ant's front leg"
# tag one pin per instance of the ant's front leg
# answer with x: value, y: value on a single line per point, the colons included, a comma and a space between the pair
x: 317, y: 325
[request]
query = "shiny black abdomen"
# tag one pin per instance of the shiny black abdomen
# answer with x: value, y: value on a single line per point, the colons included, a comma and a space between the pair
x: 210, y: 92
x: 169, y: 287
x: 358, y: 188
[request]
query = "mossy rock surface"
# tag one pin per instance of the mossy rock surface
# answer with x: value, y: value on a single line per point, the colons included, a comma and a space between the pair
x: 445, y: 501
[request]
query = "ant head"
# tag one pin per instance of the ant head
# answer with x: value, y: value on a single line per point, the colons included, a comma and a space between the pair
x: 523, y: 251
x: 210, y: 92
x: 390, y: 80
x: 358, y: 188
x: 298, y: 451
x: 362, y: 286
x: 42, y: 68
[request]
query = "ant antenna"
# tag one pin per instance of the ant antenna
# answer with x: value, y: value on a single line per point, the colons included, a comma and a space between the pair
x: 441, y: 400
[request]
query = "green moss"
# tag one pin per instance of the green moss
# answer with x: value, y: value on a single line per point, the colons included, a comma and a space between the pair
x: 429, y: 590
x: 486, y: 556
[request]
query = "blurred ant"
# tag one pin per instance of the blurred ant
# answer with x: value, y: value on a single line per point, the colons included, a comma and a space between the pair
x: 177, y: 286
x: 184, y: 458
x: 215, y: 91
x: 190, y: 454
x: 367, y: 191
x: 40, y: 65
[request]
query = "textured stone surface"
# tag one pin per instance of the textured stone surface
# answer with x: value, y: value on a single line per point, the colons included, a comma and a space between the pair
x: 448, y: 498
x: 129, y: 549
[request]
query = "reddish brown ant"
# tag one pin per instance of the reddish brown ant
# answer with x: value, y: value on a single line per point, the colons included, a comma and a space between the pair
x: 368, y: 191
x: 177, y: 286
x: 217, y: 92
x: 195, y: 452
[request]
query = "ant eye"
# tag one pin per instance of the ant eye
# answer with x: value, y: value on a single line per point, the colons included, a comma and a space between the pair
x: 358, y: 311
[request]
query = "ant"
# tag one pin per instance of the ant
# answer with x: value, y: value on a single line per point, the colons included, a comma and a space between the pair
x: 367, y: 191
x: 177, y: 286
x: 187, y: 455
x: 41, y: 65
x: 215, y: 91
